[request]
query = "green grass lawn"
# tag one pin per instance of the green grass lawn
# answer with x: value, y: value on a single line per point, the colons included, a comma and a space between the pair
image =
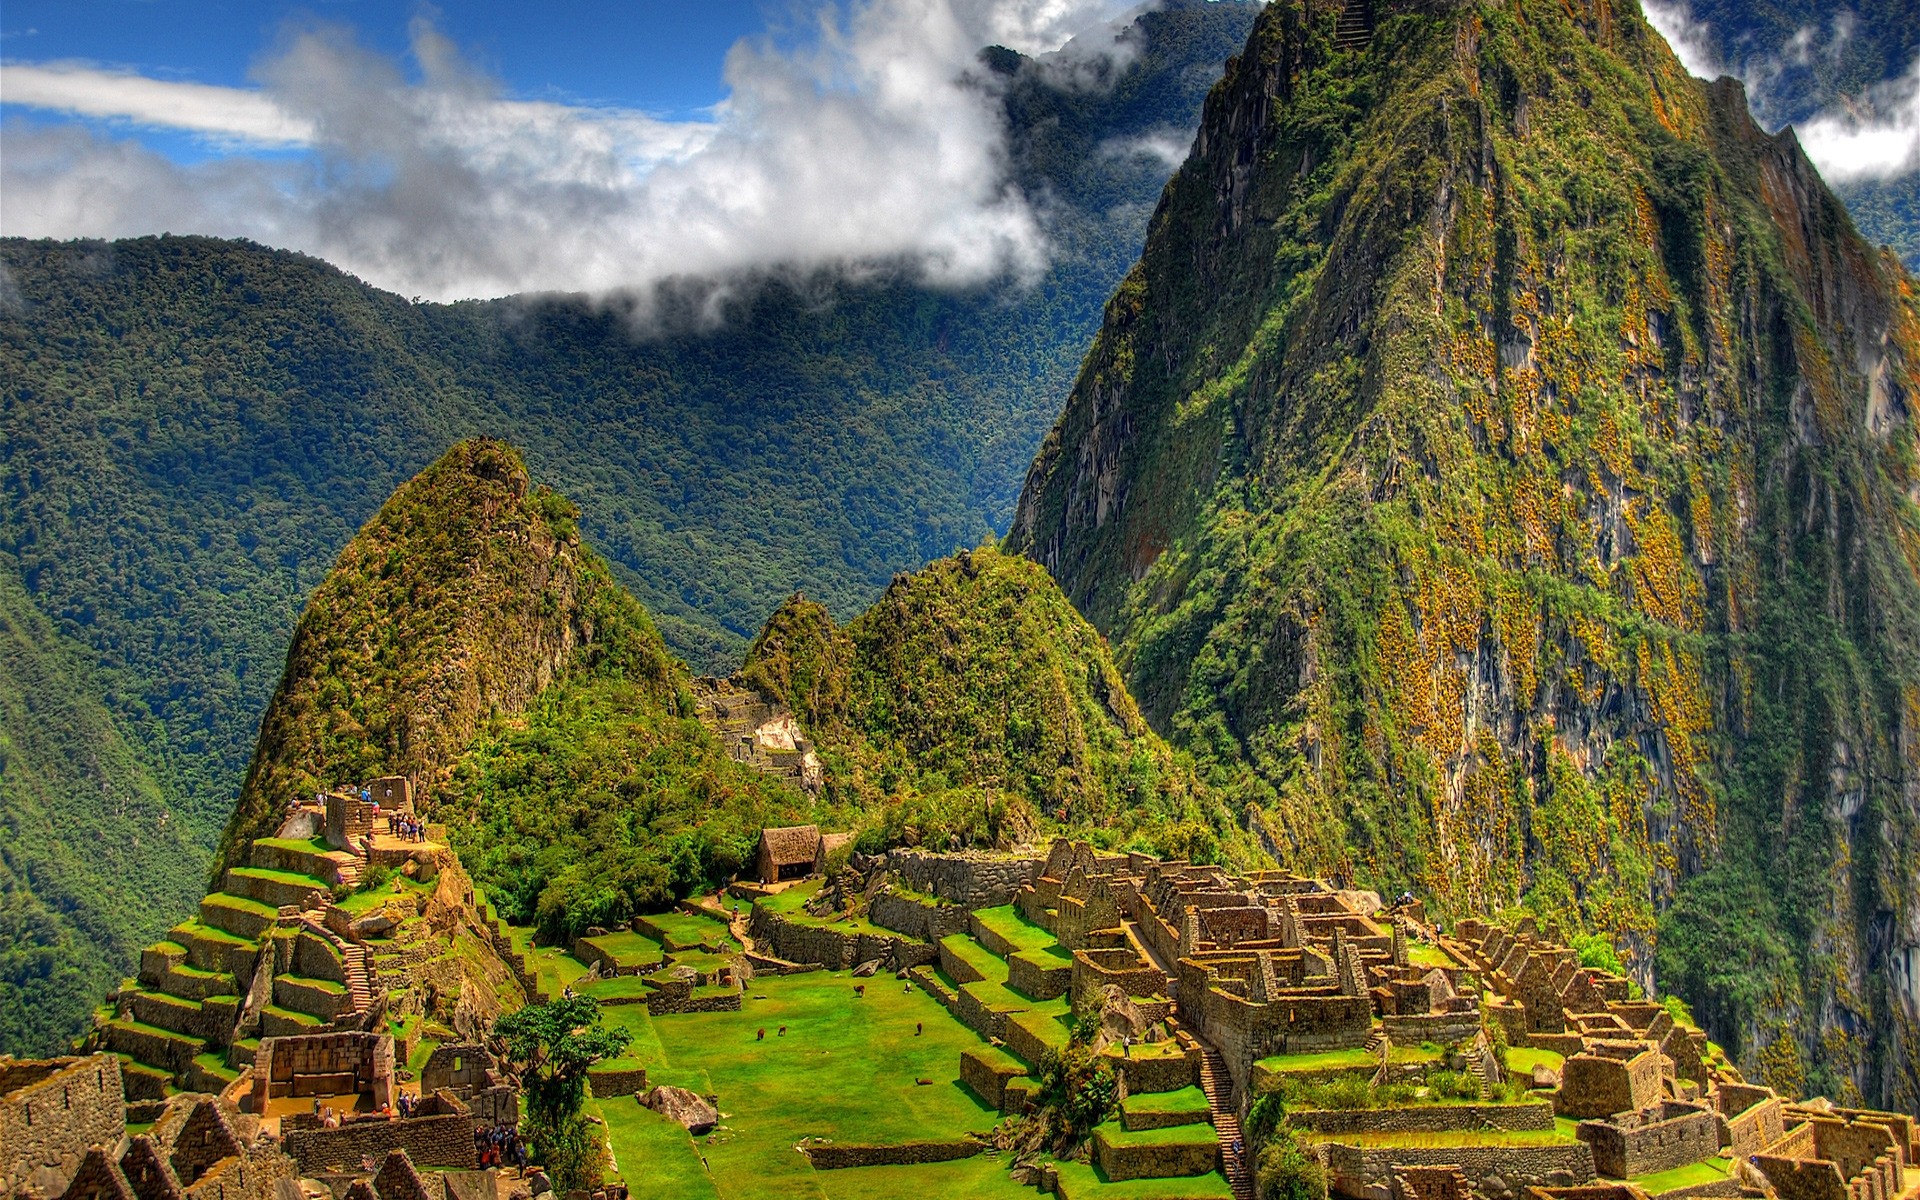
x: 1699, y: 1174
x: 1524, y: 1059
x: 290, y: 878
x: 628, y: 949
x: 1081, y: 1181
x: 1009, y: 924
x: 686, y: 929
x: 1186, y: 1100
x: 367, y: 900
x: 653, y: 1154
x: 1420, y: 954
x: 845, y: 1070
x: 982, y: 1177
x: 790, y: 904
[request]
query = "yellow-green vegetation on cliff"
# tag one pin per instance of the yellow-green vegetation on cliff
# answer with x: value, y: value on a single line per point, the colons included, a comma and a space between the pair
x: 466, y: 595
x: 971, y: 705
x: 1498, y: 473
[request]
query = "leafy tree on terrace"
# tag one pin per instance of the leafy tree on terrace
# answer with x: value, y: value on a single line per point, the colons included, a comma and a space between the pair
x: 551, y: 1046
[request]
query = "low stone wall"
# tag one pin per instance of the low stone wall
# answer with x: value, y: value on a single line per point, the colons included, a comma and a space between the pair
x: 1026, y: 1036
x: 928, y: 921
x: 1442, y: 1029
x: 1039, y: 975
x: 1095, y: 970
x: 666, y: 1003
x: 970, y: 880
x: 1123, y: 1162
x: 834, y: 1158
x: 972, y: 1012
x: 618, y: 1083
x: 1499, y: 1172
x: 1427, y: 1118
x: 1149, y: 1119
x: 832, y: 948
x: 445, y: 1142
x: 1157, y: 1073
x: 1564, y: 1044
x: 767, y: 964
x: 987, y: 1076
x: 958, y: 969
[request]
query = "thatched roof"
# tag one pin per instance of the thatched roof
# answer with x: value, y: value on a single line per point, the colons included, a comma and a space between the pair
x: 792, y: 844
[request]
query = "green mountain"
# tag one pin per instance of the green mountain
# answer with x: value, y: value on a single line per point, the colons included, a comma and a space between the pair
x: 191, y: 431
x: 1499, y: 473
x: 970, y: 704
x: 95, y: 855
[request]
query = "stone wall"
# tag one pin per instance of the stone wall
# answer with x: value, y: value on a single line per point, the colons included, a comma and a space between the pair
x: 1442, y: 1029
x: 971, y: 880
x: 440, y: 1141
x: 1154, y: 1072
x: 834, y: 949
x: 667, y: 1003
x: 916, y: 918
x: 1426, y: 1118
x: 1039, y: 975
x: 987, y: 1074
x: 1498, y: 1172
x: 833, y: 1158
x: 323, y: 1064
x: 1666, y: 1136
x: 1121, y: 1162
x: 51, y: 1111
x: 1094, y: 970
x: 608, y: 1084
x: 1600, y: 1085
x: 1756, y: 1127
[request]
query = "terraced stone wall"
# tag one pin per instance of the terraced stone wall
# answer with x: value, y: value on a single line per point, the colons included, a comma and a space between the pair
x: 1432, y: 1118
x: 444, y: 1141
x: 969, y: 880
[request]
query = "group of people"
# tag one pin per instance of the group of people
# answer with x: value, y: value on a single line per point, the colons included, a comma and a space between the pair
x: 329, y: 1115
x: 402, y: 826
x: 500, y: 1146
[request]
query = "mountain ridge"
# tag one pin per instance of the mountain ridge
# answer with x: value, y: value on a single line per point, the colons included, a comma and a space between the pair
x: 1496, y: 473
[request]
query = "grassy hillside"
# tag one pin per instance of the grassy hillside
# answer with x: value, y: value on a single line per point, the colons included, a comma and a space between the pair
x: 971, y: 705
x: 96, y: 858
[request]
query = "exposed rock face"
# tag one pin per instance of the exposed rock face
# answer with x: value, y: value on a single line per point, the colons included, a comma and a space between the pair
x: 683, y: 1106
x: 465, y: 595
x: 1501, y: 465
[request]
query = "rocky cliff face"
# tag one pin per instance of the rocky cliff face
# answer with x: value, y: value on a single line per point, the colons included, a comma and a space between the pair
x: 466, y: 595
x: 1499, y: 468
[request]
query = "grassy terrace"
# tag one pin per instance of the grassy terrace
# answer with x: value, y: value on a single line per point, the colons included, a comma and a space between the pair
x: 1356, y: 1059
x: 628, y: 949
x: 1080, y: 1181
x: 1693, y: 1175
x: 1524, y: 1059
x: 1021, y: 933
x: 290, y: 878
x: 1187, y: 1100
x: 1449, y: 1140
x: 686, y: 929
x: 791, y: 905
x: 1172, y: 1135
x: 367, y: 900
x: 847, y: 1070
x: 1420, y: 954
x: 653, y: 1153
x: 316, y: 845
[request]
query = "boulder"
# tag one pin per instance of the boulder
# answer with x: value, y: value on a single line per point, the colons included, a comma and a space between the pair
x: 1120, y: 1018
x: 538, y: 1183
x: 372, y: 926
x: 1545, y: 1078
x: 683, y: 1106
x: 866, y: 969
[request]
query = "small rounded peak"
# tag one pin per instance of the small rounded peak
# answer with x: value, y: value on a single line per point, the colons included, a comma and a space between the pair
x: 490, y: 459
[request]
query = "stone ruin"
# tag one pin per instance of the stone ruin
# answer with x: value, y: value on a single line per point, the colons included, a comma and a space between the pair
x: 63, y: 1136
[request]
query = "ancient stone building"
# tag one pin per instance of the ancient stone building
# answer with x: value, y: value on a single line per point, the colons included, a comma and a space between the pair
x: 52, y: 1111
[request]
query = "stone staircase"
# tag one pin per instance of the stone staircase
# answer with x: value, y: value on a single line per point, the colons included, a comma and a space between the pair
x: 358, y: 986
x: 1355, y: 30
x: 1218, y: 1086
x: 1486, y: 1068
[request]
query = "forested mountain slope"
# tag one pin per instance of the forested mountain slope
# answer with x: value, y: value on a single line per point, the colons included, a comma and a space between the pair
x: 1500, y: 469
x: 192, y: 430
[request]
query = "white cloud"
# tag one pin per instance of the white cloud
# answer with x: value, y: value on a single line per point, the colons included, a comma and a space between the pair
x: 1878, y: 139
x: 1874, y: 136
x: 870, y: 143
x: 1691, y: 40
x: 84, y: 90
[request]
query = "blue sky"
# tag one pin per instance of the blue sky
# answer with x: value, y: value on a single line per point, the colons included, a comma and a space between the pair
x: 658, y: 56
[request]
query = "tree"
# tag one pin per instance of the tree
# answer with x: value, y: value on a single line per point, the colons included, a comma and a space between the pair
x: 552, y: 1045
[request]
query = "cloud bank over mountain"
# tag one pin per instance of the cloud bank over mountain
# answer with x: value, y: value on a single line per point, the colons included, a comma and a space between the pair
x: 1871, y: 136
x: 872, y: 137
